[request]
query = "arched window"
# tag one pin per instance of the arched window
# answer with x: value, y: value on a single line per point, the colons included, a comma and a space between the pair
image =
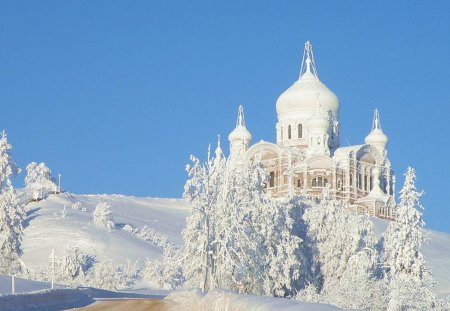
x: 365, y: 183
x: 359, y: 181
x: 371, y: 182
x: 289, y: 132
x: 299, y: 183
x: 351, y: 179
x: 300, y: 131
x: 272, y: 179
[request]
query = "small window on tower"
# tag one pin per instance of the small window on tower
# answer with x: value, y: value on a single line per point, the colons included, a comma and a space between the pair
x: 300, y: 131
x: 289, y: 132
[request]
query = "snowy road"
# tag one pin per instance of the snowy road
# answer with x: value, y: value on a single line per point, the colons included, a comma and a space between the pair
x: 128, y: 304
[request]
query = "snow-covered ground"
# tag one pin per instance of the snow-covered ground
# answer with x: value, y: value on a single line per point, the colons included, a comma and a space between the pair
x: 47, y: 229
x: 223, y: 300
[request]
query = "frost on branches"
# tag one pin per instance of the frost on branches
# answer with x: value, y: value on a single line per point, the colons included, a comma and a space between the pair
x: 409, y: 279
x: 103, y: 217
x: 8, y: 168
x: 345, y: 254
x: 39, y: 176
x: 236, y: 237
x: 11, y: 212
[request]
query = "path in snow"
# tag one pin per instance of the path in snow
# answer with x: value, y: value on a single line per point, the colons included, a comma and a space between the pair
x: 129, y: 305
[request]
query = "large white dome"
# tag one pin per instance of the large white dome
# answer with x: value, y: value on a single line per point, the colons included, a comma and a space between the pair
x: 302, y: 97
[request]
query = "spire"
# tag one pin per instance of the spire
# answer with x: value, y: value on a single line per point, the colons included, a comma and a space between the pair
x: 308, y: 63
x: 240, y: 118
x: 376, y: 120
x: 218, y: 150
x: 376, y: 137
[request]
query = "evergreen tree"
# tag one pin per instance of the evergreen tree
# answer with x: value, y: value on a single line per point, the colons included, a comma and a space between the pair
x: 11, y: 212
x: 8, y: 168
x: 409, y: 279
x: 11, y: 231
x: 103, y: 217
x: 404, y: 236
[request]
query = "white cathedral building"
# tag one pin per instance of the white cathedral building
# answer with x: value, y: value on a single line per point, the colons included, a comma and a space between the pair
x: 307, y: 158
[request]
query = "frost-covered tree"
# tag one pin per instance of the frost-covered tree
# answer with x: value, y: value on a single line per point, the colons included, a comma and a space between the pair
x: 105, y: 275
x: 39, y: 176
x: 166, y: 272
x: 236, y: 236
x: 404, y: 236
x: 11, y: 231
x: 342, y: 240
x: 102, y: 216
x: 73, y: 265
x: 11, y: 212
x: 409, y: 279
x: 202, y: 191
x: 8, y: 168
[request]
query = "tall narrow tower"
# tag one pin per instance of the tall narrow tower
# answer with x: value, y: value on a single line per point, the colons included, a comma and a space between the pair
x: 239, y: 138
x: 376, y: 137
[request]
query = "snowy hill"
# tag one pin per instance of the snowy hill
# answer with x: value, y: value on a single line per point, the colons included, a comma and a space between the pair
x: 47, y: 229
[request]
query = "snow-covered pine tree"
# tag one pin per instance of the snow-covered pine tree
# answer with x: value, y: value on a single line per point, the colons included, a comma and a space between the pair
x: 39, y: 176
x: 404, y: 236
x: 8, y: 168
x: 409, y: 279
x: 11, y: 212
x: 11, y: 231
x: 103, y: 217
x: 202, y: 191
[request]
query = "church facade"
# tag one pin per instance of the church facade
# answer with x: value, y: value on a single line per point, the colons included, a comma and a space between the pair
x: 307, y: 158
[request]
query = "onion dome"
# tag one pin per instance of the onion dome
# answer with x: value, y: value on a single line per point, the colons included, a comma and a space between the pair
x: 376, y: 137
x: 240, y: 132
x: 301, y: 96
x: 318, y: 123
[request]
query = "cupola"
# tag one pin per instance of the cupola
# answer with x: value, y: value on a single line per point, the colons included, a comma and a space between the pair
x: 376, y: 137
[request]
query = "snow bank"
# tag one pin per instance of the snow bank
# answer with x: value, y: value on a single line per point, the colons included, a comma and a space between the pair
x: 222, y: 300
x: 22, y: 285
x: 48, y: 300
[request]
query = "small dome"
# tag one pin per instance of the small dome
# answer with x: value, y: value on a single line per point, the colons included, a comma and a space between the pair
x: 317, y: 123
x: 377, y: 138
x: 240, y: 133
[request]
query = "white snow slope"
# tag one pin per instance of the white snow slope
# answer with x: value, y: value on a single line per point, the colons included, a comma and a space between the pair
x: 47, y: 229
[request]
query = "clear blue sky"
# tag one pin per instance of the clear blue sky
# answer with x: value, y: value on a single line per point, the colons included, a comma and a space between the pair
x: 115, y: 95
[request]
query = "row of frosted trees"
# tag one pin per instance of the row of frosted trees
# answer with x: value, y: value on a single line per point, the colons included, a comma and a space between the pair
x: 238, y: 238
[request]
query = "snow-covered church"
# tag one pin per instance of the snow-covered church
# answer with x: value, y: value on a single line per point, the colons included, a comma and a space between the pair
x: 307, y: 158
